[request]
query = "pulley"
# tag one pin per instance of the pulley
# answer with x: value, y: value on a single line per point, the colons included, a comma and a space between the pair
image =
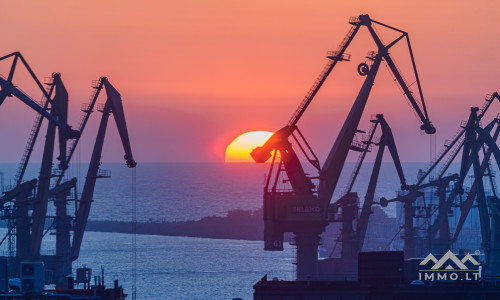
x: 363, y: 69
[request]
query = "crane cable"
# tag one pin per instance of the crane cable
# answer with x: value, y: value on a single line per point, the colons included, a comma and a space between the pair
x: 134, y: 235
x: 432, y: 151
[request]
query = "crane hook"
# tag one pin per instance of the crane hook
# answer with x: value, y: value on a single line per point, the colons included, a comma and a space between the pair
x: 363, y: 69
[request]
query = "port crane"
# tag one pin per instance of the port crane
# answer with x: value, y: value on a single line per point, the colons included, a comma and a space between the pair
x: 113, y: 106
x: 438, y: 237
x: 386, y: 140
x: 303, y: 210
x: 475, y: 140
x: 352, y: 235
x: 69, y: 251
x: 61, y: 192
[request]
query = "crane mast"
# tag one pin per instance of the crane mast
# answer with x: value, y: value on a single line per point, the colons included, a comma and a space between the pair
x: 40, y: 206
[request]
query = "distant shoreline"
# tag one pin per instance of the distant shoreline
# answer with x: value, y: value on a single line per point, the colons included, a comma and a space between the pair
x: 237, y: 225
x: 247, y: 225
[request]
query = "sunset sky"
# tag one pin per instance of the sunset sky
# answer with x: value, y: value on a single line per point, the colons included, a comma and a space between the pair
x: 194, y: 75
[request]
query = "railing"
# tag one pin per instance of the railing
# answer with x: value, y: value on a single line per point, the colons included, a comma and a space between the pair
x: 353, y: 20
x: 56, y: 172
x: 360, y: 146
x: 48, y: 80
x: 103, y: 173
x: 86, y: 107
x: 96, y: 83
x: 8, y: 213
x: 311, y: 92
x: 336, y: 55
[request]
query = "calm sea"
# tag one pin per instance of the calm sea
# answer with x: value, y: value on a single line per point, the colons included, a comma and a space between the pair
x: 182, y: 267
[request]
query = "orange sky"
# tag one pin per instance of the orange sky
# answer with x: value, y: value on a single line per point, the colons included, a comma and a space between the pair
x: 196, y: 74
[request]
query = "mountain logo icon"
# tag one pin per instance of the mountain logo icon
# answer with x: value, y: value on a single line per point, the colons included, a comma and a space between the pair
x: 450, y: 260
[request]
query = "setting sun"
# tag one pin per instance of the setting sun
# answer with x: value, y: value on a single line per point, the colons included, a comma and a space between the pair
x: 239, y: 149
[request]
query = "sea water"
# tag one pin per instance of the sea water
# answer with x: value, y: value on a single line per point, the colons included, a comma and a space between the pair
x: 184, y: 267
x: 190, y: 191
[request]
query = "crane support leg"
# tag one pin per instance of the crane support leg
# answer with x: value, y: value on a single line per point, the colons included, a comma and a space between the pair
x: 409, y: 229
x: 443, y: 242
x: 494, y: 259
x: 22, y: 228
x: 307, y: 254
x: 362, y: 225
x: 63, y: 244
x: 41, y: 201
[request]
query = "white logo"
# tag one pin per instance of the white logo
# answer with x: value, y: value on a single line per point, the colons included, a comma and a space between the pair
x: 449, y: 267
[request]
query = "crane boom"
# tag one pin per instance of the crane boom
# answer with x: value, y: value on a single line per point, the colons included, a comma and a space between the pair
x: 113, y: 106
x: 262, y: 154
x: 334, y: 56
x: 119, y: 116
